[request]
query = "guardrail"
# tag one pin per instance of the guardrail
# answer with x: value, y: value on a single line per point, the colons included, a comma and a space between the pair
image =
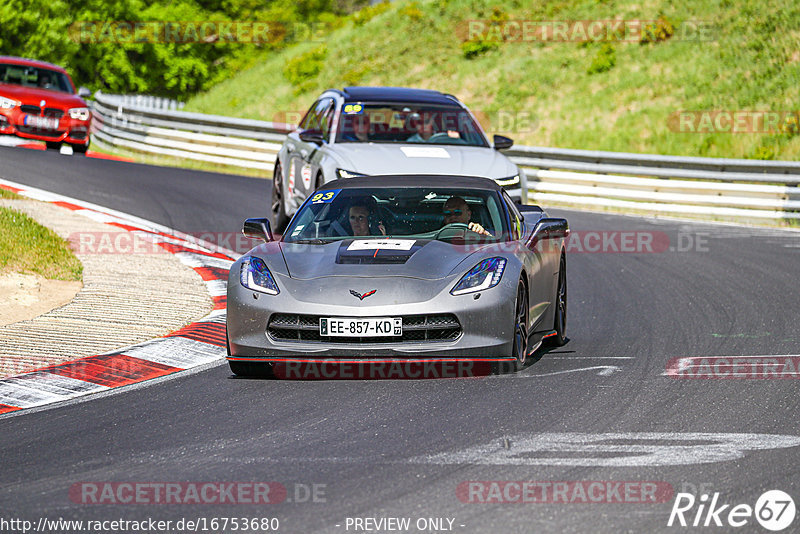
x: 723, y: 188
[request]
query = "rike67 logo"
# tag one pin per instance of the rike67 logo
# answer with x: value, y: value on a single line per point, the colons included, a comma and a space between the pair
x: 774, y: 510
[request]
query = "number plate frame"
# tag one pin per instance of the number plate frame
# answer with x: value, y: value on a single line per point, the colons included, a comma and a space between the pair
x: 41, y: 123
x: 361, y: 326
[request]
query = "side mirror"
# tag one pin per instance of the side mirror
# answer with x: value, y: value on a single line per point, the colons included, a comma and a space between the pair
x: 545, y: 229
x: 257, y: 229
x: 502, y: 142
x: 311, y: 136
x: 84, y: 92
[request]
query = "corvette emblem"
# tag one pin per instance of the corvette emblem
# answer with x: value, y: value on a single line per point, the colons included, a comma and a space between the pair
x: 365, y: 295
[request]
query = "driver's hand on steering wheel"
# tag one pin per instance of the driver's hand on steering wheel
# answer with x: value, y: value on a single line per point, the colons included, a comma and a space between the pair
x: 478, y: 229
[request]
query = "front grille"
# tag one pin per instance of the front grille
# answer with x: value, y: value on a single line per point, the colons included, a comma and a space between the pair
x: 53, y: 112
x: 416, y: 328
x: 78, y: 134
x: 36, y: 131
x: 30, y: 110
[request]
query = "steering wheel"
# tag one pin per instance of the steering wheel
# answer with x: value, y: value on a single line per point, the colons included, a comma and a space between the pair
x: 453, y: 231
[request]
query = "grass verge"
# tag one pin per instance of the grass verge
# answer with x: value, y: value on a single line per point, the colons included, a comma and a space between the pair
x: 28, y: 247
x: 5, y: 193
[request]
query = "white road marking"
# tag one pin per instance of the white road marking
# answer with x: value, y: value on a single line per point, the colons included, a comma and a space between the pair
x: 624, y: 449
x: 602, y: 370
x: 735, y: 362
x: 590, y: 357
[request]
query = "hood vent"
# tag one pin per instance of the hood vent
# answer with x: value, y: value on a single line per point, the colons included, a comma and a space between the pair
x: 377, y: 255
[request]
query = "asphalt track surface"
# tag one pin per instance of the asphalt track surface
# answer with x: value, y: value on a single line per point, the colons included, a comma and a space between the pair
x: 372, y: 444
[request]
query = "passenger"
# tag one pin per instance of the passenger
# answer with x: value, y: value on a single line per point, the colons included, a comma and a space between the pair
x: 359, y: 215
x: 456, y: 210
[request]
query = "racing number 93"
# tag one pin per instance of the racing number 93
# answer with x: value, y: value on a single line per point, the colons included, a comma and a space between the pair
x: 325, y: 196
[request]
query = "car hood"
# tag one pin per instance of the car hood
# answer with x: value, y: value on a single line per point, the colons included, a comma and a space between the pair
x: 33, y: 95
x: 423, y: 259
x: 377, y: 158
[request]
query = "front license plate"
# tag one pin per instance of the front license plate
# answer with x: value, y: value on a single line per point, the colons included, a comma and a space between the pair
x: 43, y: 123
x: 368, y: 327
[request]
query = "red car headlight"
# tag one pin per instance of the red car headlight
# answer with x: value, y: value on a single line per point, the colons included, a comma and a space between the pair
x: 81, y: 114
x: 7, y: 103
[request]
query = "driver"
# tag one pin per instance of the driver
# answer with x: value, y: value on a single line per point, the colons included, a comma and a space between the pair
x: 456, y: 210
x: 45, y: 81
x: 425, y: 129
x: 360, y: 132
x: 359, y: 216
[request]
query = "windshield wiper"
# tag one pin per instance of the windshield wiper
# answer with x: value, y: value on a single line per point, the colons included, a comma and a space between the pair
x: 311, y: 241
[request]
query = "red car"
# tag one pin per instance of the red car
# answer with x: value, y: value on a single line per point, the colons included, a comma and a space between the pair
x: 38, y: 101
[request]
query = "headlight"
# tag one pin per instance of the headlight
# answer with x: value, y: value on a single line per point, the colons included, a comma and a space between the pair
x: 256, y: 276
x: 483, y: 276
x: 341, y: 173
x: 80, y: 114
x: 7, y: 103
x: 505, y: 182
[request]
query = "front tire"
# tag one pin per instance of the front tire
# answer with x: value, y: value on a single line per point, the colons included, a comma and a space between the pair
x: 520, y: 334
x: 560, y: 322
x: 278, y: 212
x: 79, y: 149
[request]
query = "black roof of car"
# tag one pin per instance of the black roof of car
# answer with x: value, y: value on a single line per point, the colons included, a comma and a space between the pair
x: 415, y: 180
x: 397, y: 94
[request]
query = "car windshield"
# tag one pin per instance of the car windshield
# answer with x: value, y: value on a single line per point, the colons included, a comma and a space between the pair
x: 28, y: 76
x: 407, y: 123
x: 444, y: 214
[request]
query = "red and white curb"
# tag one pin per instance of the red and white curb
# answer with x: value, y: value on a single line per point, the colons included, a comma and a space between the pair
x: 200, y: 343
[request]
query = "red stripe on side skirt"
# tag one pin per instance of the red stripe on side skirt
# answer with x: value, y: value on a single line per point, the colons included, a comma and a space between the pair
x: 5, y: 408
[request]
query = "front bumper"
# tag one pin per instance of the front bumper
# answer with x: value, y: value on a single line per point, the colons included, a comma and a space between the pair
x: 486, y: 323
x: 72, y: 131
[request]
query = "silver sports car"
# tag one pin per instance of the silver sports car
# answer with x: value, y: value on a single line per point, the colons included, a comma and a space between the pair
x: 370, y: 131
x: 442, y: 268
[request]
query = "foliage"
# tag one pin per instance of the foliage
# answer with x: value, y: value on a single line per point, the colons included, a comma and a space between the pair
x: 660, y: 30
x: 302, y: 71
x: 477, y: 47
x: 604, y: 60
x: 95, y: 40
